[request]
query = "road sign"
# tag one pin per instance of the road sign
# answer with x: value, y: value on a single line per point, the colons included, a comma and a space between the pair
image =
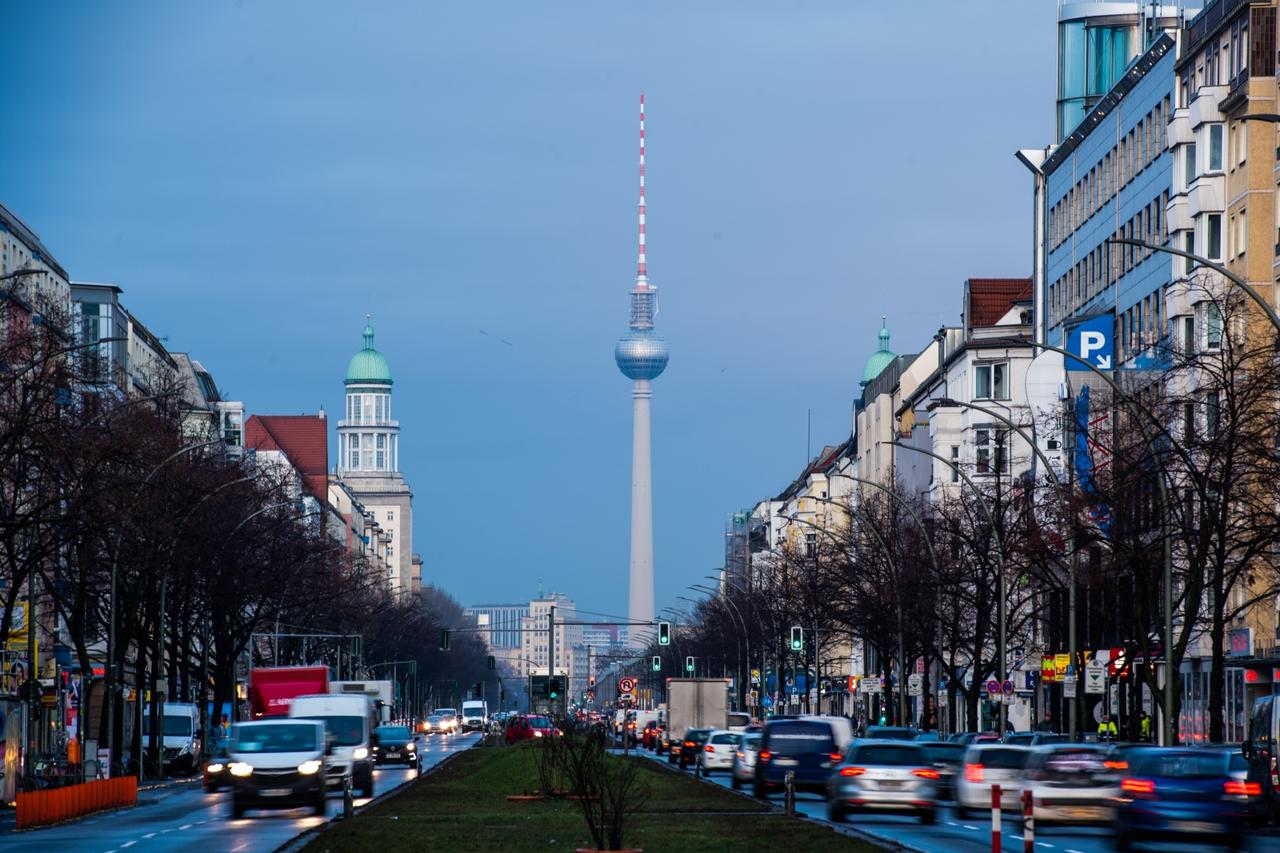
x: 993, y: 687
x: 1092, y: 343
x: 871, y: 684
x: 1069, y: 689
x: 915, y: 684
x: 1095, y: 677
x: 1007, y: 688
x: 626, y: 684
x: 755, y: 676
x: 767, y: 702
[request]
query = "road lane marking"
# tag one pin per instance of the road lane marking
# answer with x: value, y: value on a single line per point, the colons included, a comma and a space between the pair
x: 1069, y: 850
x: 967, y: 826
x: 128, y: 844
x: 186, y: 826
x: 1043, y: 844
x: 149, y: 835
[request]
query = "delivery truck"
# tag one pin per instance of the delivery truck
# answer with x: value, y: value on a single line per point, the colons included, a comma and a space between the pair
x: 382, y: 693
x: 694, y: 703
x: 272, y: 689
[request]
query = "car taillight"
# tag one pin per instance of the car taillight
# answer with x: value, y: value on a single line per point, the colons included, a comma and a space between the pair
x: 689, y: 743
x: 708, y: 748
x: 973, y: 772
x: 835, y: 756
x: 852, y: 771
x: 740, y: 754
x: 764, y: 757
x: 1116, y: 765
x: 925, y: 773
x: 1243, y: 789
x: 1139, y: 786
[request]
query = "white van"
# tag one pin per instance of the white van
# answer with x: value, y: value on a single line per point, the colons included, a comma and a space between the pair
x: 181, y: 744
x: 475, y: 715
x: 349, y: 722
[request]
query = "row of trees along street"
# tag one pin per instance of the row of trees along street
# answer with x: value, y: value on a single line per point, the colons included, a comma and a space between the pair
x: 1197, y: 424
x: 102, y: 491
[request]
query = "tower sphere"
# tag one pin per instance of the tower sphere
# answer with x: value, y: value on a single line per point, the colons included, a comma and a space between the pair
x: 641, y: 354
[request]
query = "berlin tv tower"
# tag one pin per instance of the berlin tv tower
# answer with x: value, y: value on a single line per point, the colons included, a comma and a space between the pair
x: 642, y: 356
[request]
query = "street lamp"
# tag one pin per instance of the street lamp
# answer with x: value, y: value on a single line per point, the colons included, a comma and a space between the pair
x: 746, y: 629
x: 716, y: 595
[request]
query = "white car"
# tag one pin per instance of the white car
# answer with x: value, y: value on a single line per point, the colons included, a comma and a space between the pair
x: 744, y: 760
x: 718, y: 751
x: 1072, y: 784
x: 986, y: 765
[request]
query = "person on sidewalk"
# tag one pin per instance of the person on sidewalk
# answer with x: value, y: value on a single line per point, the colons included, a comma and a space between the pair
x: 1106, y: 728
x: 1046, y: 725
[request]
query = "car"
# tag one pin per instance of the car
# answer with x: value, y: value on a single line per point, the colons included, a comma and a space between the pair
x: 928, y: 737
x: 718, y: 751
x: 395, y: 745
x: 806, y: 747
x: 1239, y: 769
x: 1073, y: 783
x: 1035, y: 738
x: 529, y: 727
x: 889, y: 733
x: 1184, y: 794
x: 947, y: 759
x: 985, y: 765
x: 691, y: 745
x: 1261, y: 750
x: 215, y: 774
x: 969, y: 738
x: 278, y: 763
x: 744, y: 760
x: 435, y: 725
x: 884, y: 776
x: 449, y: 720
x: 737, y: 721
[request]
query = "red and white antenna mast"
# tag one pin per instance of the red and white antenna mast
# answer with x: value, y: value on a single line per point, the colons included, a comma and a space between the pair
x: 642, y: 278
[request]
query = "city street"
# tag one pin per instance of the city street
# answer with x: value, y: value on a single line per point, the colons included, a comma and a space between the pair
x: 972, y: 834
x: 185, y: 817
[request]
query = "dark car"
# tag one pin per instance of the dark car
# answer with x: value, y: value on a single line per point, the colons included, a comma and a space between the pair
x: 890, y: 733
x: 1184, y: 794
x: 395, y: 745
x: 947, y: 759
x: 806, y: 748
x: 1034, y: 738
x: 692, y: 745
x: 216, y: 774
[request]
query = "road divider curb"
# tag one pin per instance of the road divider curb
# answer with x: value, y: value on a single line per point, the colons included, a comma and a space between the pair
x: 45, y: 808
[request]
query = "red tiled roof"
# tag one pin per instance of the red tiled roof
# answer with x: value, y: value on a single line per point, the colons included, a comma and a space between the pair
x: 304, y: 439
x: 991, y: 298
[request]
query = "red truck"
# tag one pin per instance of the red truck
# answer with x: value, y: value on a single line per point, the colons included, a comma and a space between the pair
x: 272, y: 689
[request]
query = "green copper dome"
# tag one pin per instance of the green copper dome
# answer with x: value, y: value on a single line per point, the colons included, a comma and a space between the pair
x: 881, y: 358
x: 368, y: 367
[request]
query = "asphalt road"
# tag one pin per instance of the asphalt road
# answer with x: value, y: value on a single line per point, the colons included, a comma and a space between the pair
x: 184, y: 817
x: 973, y: 834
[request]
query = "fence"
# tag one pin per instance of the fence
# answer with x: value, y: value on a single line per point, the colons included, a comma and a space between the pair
x: 42, y: 808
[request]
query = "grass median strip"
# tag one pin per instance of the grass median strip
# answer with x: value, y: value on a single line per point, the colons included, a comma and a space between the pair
x: 463, y: 807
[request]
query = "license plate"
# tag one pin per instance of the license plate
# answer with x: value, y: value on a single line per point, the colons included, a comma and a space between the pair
x: 1082, y: 812
x: 785, y: 762
x: 393, y: 755
x: 275, y: 792
x: 1196, y: 826
x: 889, y: 785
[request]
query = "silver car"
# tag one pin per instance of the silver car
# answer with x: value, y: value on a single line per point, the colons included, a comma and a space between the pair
x: 885, y: 776
x: 744, y: 761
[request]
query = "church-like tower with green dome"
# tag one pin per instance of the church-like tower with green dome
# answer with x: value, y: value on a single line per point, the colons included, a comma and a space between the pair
x: 369, y: 455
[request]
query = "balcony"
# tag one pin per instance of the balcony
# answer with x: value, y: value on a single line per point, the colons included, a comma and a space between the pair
x: 369, y: 422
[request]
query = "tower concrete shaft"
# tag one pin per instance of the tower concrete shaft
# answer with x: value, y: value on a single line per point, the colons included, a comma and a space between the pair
x: 640, y: 608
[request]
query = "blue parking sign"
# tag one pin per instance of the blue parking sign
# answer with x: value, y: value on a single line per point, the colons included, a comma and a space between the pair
x: 1092, y: 342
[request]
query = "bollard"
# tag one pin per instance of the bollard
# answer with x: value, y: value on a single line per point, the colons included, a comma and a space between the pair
x: 995, y: 819
x: 1028, y: 823
x: 789, y: 795
x: 348, y: 802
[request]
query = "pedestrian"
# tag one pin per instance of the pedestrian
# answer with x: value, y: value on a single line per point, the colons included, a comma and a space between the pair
x: 1046, y: 725
x: 1145, y: 725
x: 1106, y: 728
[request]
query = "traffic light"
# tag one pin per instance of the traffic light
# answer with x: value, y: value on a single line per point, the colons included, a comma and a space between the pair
x: 553, y: 687
x: 591, y: 681
x: 664, y: 633
x: 491, y: 663
x: 444, y: 639
x: 688, y: 664
x: 657, y: 664
x: 797, y: 638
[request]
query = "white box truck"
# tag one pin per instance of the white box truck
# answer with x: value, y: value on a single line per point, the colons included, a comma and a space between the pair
x: 695, y: 703
x: 383, y: 694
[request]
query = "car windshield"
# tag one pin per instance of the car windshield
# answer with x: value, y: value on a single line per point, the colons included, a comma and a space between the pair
x: 739, y: 719
x: 697, y: 735
x: 393, y: 732
x: 1071, y: 765
x: 447, y: 712
x: 1182, y: 764
x: 798, y: 738
x: 889, y: 733
x: 435, y: 719
x: 540, y: 722
x: 945, y: 753
x: 173, y: 726
x: 888, y: 754
x: 275, y: 737
x: 345, y: 731
x: 1001, y: 759
x: 751, y: 742
x: 725, y: 737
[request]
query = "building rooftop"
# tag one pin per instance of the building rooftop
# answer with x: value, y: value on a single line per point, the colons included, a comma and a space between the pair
x: 304, y: 439
x: 881, y: 358
x: 989, y: 299
x: 368, y: 366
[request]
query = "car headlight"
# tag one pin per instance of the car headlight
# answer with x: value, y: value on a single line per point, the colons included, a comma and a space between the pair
x: 411, y: 747
x: 360, y: 753
x: 310, y: 768
x: 537, y: 734
x: 239, y: 768
x: 216, y: 768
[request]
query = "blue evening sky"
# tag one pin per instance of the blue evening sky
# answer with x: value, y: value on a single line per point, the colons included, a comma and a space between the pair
x: 258, y: 176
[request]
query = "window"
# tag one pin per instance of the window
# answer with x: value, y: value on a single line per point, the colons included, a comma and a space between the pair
x: 1189, y: 246
x: 1189, y: 422
x: 1213, y: 327
x: 391, y: 516
x: 1212, y: 409
x: 355, y: 453
x: 955, y: 463
x: 991, y: 381
x: 810, y: 544
x: 992, y: 450
x: 381, y: 463
x: 1189, y: 164
x: 367, y: 444
x: 1213, y: 236
x: 1214, y: 135
x: 1242, y: 231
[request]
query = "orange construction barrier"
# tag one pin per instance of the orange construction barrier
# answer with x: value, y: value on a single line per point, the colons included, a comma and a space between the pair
x: 42, y: 808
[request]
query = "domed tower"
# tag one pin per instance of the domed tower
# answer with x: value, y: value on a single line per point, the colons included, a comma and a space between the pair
x: 880, y: 359
x: 641, y: 355
x: 369, y: 455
